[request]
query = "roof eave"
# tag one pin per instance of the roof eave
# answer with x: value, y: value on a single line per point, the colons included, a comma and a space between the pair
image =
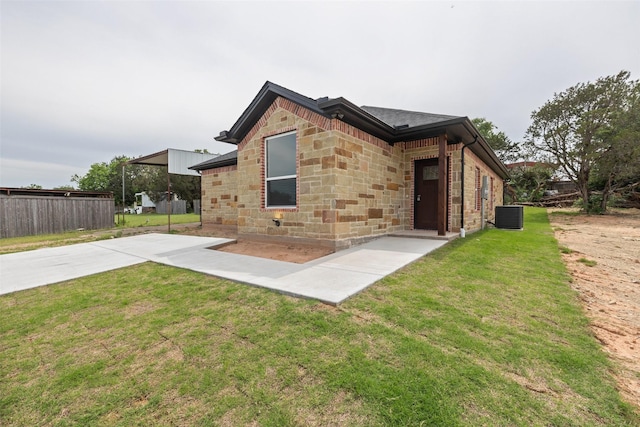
x: 458, y: 129
x: 484, y: 151
x: 350, y: 113
x: 230, y: 162
x: 224, y: 137
x: 429, y: 131
x: 161, y: 159
x: 265, y: 97
x: 227, y: 159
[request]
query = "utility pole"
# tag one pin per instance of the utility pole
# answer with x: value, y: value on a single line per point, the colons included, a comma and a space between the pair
x: 123, y: 220
x: 168, y: 202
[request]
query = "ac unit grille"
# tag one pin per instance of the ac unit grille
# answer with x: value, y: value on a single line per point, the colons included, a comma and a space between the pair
x: 510, y: 217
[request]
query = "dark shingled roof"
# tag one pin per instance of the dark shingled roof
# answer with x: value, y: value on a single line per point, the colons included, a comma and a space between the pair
x: 265, y: 97
x: 388, y: 124
x: 228, y: 159
x: 400, y: 118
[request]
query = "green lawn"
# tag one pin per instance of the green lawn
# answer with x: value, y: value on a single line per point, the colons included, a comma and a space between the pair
x: 485, y: 331
x: 133, y: 220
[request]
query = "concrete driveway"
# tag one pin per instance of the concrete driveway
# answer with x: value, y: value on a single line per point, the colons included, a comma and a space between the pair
x: 330, y: 279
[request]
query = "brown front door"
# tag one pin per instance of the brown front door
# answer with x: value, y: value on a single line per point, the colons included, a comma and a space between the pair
x: 425, y: 211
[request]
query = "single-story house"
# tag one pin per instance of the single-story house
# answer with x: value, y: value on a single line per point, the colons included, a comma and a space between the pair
x: 327, y: 172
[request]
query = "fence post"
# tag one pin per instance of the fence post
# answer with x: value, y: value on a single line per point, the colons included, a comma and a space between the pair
x: 168, y: 202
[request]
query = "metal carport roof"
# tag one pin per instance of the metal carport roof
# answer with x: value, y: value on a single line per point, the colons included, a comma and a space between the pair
x: 177, y: 161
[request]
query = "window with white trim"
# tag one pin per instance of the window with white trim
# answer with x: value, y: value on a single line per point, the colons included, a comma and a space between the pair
x: 280, y: 171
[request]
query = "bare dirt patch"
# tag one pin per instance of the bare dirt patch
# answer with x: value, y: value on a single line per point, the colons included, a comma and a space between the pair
x: 296, y: 253
x: 603, y: 257
x: 288, y: 252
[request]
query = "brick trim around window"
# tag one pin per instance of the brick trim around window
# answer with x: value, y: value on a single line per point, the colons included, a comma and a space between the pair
x: 263, y: 171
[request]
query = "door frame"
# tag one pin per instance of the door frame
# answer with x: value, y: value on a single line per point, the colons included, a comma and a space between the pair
x: 448, y: 189
x: 425, y: 212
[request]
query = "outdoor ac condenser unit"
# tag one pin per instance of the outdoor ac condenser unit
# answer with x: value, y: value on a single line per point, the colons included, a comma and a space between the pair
x: 510, y: 217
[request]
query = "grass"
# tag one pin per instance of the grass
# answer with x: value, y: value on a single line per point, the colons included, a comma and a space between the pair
x: 152, y: 219
x: 485, y: 331
x: 15, y: 244
x: 588, y: 262
x: 568, y: 212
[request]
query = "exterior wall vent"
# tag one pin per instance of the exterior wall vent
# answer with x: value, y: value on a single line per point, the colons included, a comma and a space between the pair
x: 510, y: 217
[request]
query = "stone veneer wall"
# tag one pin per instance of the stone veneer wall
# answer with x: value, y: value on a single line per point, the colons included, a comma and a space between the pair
x: 351, y: 186
x: 369, y: 183
x: 428, y: 149
x: 309, y: 220
x: 472, y: 216
x: 220, y: 196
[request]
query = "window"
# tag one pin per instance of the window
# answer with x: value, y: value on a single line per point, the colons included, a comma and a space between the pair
x: 478, y: 190
x: 491, y: 193
x: 280, y: 171
x: 430, y: 173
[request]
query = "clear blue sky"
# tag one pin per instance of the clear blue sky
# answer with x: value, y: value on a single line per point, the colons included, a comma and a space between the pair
x: 82, y: 82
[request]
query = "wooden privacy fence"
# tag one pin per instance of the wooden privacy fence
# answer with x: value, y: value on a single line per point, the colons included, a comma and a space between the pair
x: 26, y: 215
x: 177, y: 207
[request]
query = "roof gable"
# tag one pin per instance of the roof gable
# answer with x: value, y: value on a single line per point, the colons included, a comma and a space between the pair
x: 390, y: 125
x: 265, y: 97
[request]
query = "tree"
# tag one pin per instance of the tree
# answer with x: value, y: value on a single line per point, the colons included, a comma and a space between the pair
x: 108, y: 177
x: 505, y: 149
x: 529, y: 182
x: 620, y: 161
x: 186, y: 187
x: 33, y: 187
x: 572, y: 126
x: 149, y: 179
x: 138, y: 178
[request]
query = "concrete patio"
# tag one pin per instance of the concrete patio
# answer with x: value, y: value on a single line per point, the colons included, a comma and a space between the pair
x: 330, y: 279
